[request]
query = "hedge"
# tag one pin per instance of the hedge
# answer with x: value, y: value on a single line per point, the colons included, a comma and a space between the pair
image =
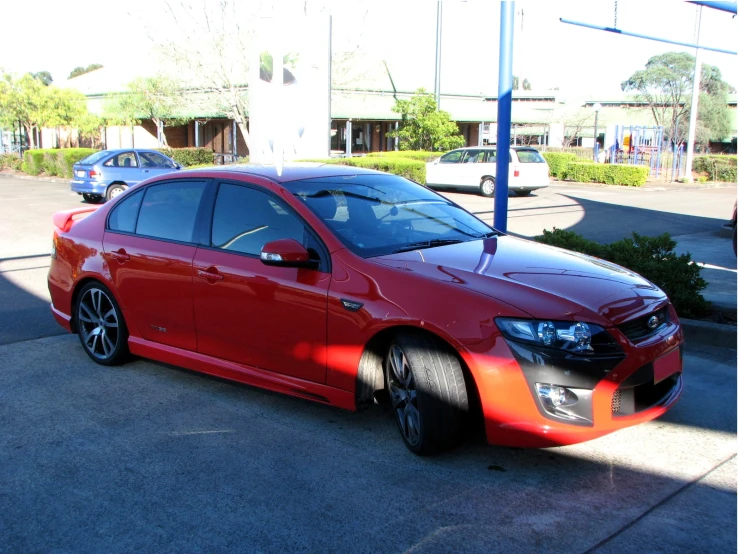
x: 421, y: 155
x: 10, y: 161
x: 414, y: 170
x: 557, y: 162
x: 609, y: 174
x: 54, y: 161
x: 189, y: 156
x: 651, y: 257
x: 717, y: 167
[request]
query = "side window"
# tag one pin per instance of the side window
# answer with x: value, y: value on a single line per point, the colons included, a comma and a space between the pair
x: 152, y: 159
x: 529, y: 157
x: 245, y: 219
x: 492, y: 156
x: 123, y: 217
x: 169, y: 210
x: 473, y: 156
x: 452, y: 157
x: 124, y: 159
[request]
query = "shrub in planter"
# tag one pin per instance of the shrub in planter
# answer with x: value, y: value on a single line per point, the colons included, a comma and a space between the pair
x: 53, y: 161
x: 421, y: 155
x: 716, y: 167
x: 33, y: 162
x: 609, y: 174
x: 187, y: 157
x: 651, y: 257
x: 557, y: 162
x: 414, y: 170
x: 10, y: 161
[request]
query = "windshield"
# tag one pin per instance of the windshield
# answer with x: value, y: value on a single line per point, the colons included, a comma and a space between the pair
x: 92, y: 158
x: 374, y: 215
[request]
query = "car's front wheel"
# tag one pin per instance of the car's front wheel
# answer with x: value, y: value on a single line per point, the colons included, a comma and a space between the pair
x: 114, y: 190
x: 487, y: 187
x: 100, y: 325
x: 426, y: 385
x: 92, y: 198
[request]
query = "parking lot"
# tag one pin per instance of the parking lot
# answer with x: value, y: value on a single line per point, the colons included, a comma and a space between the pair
x: 148, y: 457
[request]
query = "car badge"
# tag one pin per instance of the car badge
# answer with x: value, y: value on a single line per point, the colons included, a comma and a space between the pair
x: 653, y: 322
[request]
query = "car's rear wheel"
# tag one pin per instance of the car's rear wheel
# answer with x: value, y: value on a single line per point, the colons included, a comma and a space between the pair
x: 523, y: 192
x: 427, y: 391
x: 114, y: 190
x: 92, y: 198
x: 487, y: 187
x: 100, y: 325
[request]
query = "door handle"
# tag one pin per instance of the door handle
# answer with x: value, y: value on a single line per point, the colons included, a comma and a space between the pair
x: 120, y: 256
x: 210, y: 274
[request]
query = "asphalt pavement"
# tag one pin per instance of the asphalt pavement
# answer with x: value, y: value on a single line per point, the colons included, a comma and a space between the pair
x: 150, y: 458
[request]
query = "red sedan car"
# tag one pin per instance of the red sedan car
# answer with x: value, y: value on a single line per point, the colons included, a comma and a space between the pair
x: 341, y: 285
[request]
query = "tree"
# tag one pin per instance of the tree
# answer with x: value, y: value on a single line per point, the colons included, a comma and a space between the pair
x: 423, y: 127
x: 44, y: 77
x: 27, y: 100
x: 158, y: 98
x: 572, y: 123
x: 79, y: 70
x: 665, y: 84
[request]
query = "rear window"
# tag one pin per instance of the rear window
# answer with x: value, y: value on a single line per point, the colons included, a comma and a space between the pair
x: 92, y: 158
x: 530, y: 157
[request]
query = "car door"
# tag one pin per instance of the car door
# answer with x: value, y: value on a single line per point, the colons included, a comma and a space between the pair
x: 154, y: 163
x: 262, y: 316
x: 123, y: 168
x: 444, y: 171
x: 471, y: 168
x: 148, y: 246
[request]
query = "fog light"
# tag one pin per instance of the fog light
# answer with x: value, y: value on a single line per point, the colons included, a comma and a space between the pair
x: 554, y: 396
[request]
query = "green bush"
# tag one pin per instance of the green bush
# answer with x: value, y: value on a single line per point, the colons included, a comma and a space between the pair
x: 557, y: 162
x: 717, y: 167
x: 609, y: 174
x: 580, y: 153
x: 421, y: 155
x: 187, y: 157
x: 10, y: 161
x: 53, y: 161
x: 410, y: 169
x: 651, y: 257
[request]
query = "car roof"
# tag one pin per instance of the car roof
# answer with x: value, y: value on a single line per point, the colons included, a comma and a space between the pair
x: 291, y: 171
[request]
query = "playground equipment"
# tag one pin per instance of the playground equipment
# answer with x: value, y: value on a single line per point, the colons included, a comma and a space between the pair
x: 643, y: 145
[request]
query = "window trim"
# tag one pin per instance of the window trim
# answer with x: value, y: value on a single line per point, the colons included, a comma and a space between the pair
x: 143, y: 190
x: 206, y: 232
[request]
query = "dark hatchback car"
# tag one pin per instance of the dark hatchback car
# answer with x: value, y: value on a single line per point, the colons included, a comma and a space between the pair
x: 108, y: 173
x: 343, y: 285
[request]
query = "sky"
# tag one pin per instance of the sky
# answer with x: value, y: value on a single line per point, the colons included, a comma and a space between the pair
x: 550, y: 54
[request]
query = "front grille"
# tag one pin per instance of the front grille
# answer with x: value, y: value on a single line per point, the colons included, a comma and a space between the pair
x: 638, y: 329
x: 616, y: 402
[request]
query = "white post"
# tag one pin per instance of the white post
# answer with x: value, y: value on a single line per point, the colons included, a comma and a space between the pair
x: 349, y: 138
x: 694, y: 105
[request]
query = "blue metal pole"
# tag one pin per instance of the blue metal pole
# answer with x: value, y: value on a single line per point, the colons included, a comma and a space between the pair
x: 505, y: 91
x: 637, y: 35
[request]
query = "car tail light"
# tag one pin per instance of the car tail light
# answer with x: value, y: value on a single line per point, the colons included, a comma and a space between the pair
x: 94, y: 174
x: 516, y: 172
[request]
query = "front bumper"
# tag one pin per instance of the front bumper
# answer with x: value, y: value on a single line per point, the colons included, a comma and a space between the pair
x: 614, y: 393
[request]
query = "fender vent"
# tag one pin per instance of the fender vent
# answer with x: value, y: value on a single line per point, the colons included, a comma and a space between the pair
x: 616, y: 402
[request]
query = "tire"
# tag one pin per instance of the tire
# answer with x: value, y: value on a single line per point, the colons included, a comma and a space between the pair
x: 487, y: 187
x: 114, y: 190
x: 522, y: 192
x: 100, y: 325
x: 426, y: 385
x: 91, y: 198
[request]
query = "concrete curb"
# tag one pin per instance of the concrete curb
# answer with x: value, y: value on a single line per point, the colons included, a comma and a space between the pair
x: 709, y: 333
x: 34, y: 178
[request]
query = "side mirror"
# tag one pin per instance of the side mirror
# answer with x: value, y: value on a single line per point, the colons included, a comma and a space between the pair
x: 177, y: 166
x: 286, y: 253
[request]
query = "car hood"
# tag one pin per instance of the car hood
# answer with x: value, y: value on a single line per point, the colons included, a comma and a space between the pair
x: 543, y: 281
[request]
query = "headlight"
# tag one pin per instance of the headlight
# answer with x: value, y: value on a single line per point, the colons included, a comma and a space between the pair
x: 571, y: 336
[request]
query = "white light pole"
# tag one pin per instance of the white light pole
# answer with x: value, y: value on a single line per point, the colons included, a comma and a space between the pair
x: 597, y: 108
x: 437, y: 78
x: 694, y: 104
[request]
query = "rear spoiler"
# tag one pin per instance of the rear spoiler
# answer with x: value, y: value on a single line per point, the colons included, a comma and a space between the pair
x: 64, y: 220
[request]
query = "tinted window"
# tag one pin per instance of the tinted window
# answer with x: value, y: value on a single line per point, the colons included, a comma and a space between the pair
x: 474, y: 156
x: 152, y: 159
x: 125, y: 159
x: 491, y: 156
x: 169, y: 210
x: 123, y: 217
x: 374, y: 215
x: 452, y: 157
x: 92, y: 158
x: 245, y: 219
x: 529, y: 157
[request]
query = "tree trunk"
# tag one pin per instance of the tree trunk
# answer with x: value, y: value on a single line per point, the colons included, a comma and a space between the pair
x: 29, y: 134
